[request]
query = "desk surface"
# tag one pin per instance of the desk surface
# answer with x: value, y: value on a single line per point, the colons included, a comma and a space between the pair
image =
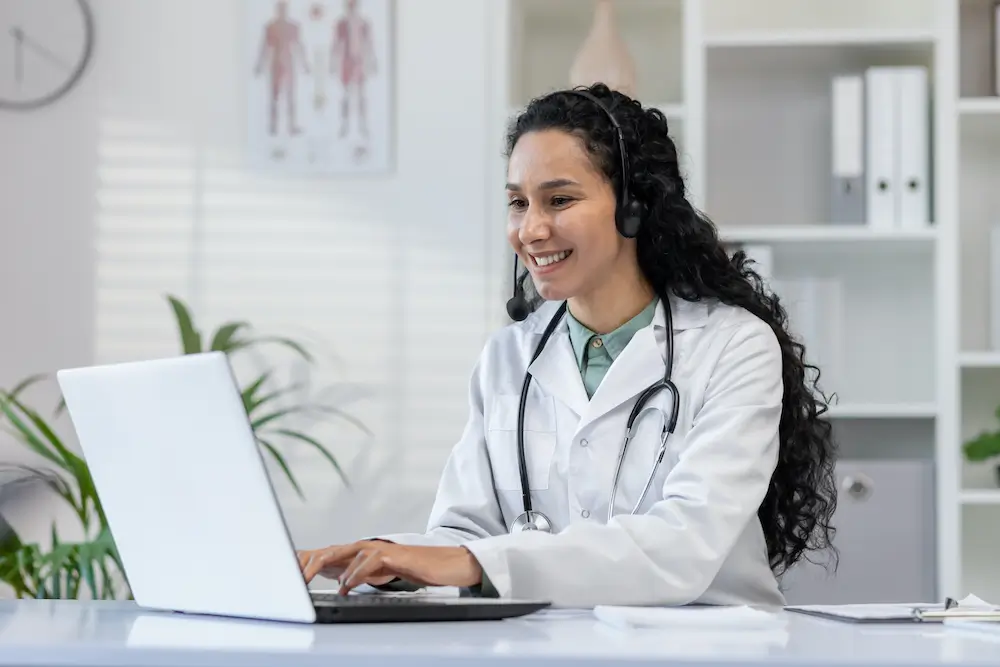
x: 117, y: 633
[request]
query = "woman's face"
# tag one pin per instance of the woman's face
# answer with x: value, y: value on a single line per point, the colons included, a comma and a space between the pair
x: 561, y: 215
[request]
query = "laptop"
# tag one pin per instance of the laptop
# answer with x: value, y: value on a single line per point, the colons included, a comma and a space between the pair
x: 192, y: 509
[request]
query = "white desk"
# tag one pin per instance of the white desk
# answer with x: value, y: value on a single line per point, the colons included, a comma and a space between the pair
x: 117, y: 634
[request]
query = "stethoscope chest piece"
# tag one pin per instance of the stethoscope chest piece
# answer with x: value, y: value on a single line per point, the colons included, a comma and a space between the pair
x: 535, y: 521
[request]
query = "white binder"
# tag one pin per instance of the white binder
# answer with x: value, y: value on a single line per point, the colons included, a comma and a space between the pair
x: 996, y: 50
x: 994, y: 287
x: 913, y: 172
x: 881, y: 187
x: 847, y: 195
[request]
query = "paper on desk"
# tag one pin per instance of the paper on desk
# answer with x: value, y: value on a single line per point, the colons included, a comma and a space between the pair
x: 692, y: 617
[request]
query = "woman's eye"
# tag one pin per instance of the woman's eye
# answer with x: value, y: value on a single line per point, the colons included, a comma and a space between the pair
x: 560, y: 201
x: 516, y: 204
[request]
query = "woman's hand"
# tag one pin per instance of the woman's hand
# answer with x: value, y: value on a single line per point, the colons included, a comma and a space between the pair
x: 376, y: 562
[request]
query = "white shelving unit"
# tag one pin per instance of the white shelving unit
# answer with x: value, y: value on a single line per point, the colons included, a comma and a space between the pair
x: 896, y: 319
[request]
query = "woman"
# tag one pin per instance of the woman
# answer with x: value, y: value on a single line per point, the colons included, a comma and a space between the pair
x: 745, y: 487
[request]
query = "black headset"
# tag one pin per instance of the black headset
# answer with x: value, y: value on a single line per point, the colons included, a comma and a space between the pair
x: 628, y: 212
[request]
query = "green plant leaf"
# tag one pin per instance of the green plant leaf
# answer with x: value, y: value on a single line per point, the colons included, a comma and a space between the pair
x: 223, y: 339
x: 309, y: 440
x: 982, y: 447
x: 337, y: 412
x: 298, y: 348
x: 250, y: 400
x: 25, y: 434
x: 67, y: 460
x: 26, y: 383
x: 270, y: 417
x: 273, y: 451
x: 190, y: 338
x: 88, y: 554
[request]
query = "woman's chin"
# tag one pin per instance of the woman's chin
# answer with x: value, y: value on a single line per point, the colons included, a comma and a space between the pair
x: 552, y: 290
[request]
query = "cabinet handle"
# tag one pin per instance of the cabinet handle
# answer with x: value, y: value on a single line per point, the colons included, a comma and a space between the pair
x: 859, y: 486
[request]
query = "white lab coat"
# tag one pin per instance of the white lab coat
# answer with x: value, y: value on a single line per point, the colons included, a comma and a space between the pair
x: 696, y: 539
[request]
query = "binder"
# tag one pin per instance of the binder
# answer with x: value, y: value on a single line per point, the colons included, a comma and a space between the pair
x: 994, y: 287
x: 996, y: 49
x: 881, y: 101
x: 847, y: 195
x: 912, y: 148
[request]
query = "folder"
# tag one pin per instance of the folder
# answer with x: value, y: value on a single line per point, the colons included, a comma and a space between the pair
x: 913, y: 146
x: 972, y: 608
x: 847, y: 197
x: 881, y: 101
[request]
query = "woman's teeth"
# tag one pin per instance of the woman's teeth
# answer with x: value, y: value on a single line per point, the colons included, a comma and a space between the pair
x: 552, y: 259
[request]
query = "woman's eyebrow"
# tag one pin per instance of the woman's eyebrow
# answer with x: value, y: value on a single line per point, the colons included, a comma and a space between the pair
x: 547, y: 185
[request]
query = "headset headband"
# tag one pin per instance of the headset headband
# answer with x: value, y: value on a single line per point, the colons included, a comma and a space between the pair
x: 622, y: 154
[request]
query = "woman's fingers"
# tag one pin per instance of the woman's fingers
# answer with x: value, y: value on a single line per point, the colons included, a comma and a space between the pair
x: 367, y: 564
x: 329, y: 562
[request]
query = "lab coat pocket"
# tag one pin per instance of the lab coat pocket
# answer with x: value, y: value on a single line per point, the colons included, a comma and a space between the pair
x: 539, y: 441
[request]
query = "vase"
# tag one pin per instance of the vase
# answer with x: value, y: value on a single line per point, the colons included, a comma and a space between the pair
x: 603, y: 57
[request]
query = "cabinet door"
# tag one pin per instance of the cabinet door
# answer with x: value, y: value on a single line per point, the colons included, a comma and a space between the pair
x: 885, y: 538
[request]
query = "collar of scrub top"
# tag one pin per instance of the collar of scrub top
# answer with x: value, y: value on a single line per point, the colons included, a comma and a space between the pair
x: 614, y: 341
x: 686, y: 315
x: 557, y: 362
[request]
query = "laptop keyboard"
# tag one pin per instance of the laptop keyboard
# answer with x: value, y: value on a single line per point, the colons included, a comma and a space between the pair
x: 338, y: 599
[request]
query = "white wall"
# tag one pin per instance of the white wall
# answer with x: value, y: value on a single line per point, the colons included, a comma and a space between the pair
x: 136, y: 184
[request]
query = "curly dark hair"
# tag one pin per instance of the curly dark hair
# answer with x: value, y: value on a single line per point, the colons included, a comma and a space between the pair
x: 679, y: 251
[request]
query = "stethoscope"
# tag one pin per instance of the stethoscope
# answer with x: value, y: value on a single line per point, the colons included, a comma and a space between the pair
x: 531, y: 519
x: 628, y: 220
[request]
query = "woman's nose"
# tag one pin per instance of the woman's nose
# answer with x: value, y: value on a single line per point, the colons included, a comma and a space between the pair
x: 536, y: 226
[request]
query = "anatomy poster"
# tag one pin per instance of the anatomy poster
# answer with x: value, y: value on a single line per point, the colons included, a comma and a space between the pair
x: 320, y: 93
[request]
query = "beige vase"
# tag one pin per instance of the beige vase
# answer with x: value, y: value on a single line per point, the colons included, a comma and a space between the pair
x: 604, y: 57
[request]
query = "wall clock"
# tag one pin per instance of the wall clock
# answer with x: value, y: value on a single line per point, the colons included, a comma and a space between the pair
x: 44, y: 49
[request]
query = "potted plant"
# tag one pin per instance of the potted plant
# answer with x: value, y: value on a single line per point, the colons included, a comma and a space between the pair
x: 984, y: 447
x: 65, y: 569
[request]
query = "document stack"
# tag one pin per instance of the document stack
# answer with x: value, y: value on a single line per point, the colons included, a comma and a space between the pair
x: 880, y: 133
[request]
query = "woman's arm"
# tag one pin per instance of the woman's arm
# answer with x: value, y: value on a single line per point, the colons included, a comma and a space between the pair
x: 672, y: 553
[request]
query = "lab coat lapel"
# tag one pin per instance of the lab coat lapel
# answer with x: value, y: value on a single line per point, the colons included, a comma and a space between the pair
x: 643, y: 361
x: 557, y: 373
x: 639, y: 365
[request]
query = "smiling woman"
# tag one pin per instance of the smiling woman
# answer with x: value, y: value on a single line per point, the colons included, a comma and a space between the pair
x: 646, y: 356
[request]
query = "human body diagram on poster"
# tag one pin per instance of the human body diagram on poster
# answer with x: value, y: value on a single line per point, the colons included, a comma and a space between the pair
x: 320, y: 74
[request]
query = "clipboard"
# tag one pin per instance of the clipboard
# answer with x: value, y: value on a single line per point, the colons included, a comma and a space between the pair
x: 899, y: 613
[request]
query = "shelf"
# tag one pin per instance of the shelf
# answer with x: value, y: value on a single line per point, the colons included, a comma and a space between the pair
x: 817, y: 233
x: 819, y: 38
x: 883, y: 411
x: 981, y: 497
x: 979, y: 360
x: 979, y: 105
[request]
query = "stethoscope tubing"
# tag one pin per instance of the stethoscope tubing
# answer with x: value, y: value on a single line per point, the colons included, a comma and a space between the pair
x: 533, y: 519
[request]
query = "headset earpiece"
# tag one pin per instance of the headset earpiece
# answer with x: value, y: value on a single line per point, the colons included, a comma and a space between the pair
x: 629, y: 219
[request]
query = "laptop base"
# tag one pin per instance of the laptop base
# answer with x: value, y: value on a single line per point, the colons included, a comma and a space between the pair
x: 419, y: 608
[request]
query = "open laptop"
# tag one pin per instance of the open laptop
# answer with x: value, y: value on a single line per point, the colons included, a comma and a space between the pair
x: 191, y: 507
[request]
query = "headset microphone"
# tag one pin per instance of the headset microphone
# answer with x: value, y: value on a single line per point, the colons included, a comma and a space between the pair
x: 517, y: 305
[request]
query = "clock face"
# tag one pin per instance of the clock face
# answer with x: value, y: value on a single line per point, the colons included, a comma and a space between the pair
x: 44, y: 48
